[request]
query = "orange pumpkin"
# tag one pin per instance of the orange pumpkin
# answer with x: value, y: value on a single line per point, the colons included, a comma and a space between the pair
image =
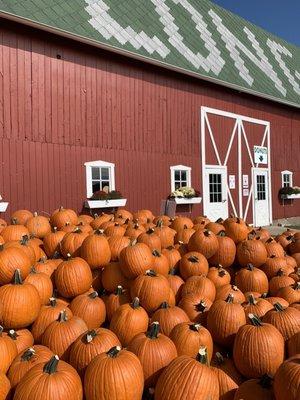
x: 135, y: 259
x: 12, y: 259
x: 89, y: 307
x: 204, y: 242
x: 38, y: 226
x: 95, y: 250
x: 193, y: 263
x: 62, y: 216
x: 8, y: 351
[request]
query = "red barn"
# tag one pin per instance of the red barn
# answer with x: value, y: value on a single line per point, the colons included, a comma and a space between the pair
x: 144, y: 96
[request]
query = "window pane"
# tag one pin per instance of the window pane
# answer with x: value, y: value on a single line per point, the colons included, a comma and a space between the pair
x: 183, y: 175
x: 177, y: 175
x: 104, y: 184
x: 95, y: 173
x: 183, y: 183
x: 96, y: 186
x: 104, y: 173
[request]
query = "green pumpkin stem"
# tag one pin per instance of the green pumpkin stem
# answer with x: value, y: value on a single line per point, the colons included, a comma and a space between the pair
x: 159, y: 223
x: 195, y: 327
x: 99, y: 232
x: 14, y: 221
x: 230, y: 298
x: 18, y: 278
x: 251, y: 300
x: 1, y: 330
x: 207, y: 232
x: 202, y: 356
x: 201, y: 307
x: 153, y: 330
x: 135, y: 303
x: 24, y: 241
x: 90, y: 336
x: 150, y: 272
x: 13, y: 334
x: 164, y: 305
x: 254, y: 320
x: 119, y: 290
x: 33, y: 270
x: 250, y: 267
x: 93, y: 295
x: 28, y: 354
x: 63, y: 316
x: 114, y: 351
x: 1, y: 247
x: 193, y: 259
x: 51, y: 366
x: 53, y: 301
x: 222, y: 233
x: 150, y: 231
x: 278, y: 307
x: 156, y: 253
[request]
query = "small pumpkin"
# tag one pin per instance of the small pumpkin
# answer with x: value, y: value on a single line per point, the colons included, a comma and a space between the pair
x: 264, y: 351
x: 251, y: 251
x: 135, y: 259
x: 89, y: 307
x: 258, y: 389
x: 60, y: 334
x: 191, y: 264
x: 226, y: 364
x: 200, y: 285
x: 257, y: 306
x: 165, y: 233
x: 54, y: 379
x: 274, y: 264
x: 21, y: 216
x: 226, y: 252
x: 22, y: 338
x: 154, y: 350
x: 219, y: 276
x: 290, y: 293
x: 117, y: 244
x: 71, y: 243
x: 168, y: 317
x: 151, y: 239
x: 190, y: 337
x: 42, y: 283
x: 129, y: 320
x: 14, y: 231
x: 183, y: 236
x: 114, y: 375
x: 115, y: 300
x: 133, y: 232
x: 176, y: 283
x: 279, y: 281
x: 112, y: 277
x: 89, y: 345
x: 252, y: 279
x: 160, y: 263
x: 196, y: 307
x: 287, y: 379
x: 8, y: 351
x: 38, y: 226
x: 236, y: 229
x: 274, y: 248
x: 173, y: 256
x: 204, y: 242
x: 51, y: 242
x: 62, y: 216
x: 178, y: 223
x: 224, y: 291
x: 11, y: 259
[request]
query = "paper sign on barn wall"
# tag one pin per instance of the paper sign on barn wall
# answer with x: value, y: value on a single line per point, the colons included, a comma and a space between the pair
x: 231, y: 181
x: 260, y: 155
x: 245, y: 192
x: 245, y: 181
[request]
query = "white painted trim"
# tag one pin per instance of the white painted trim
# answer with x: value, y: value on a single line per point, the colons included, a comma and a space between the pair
x: 193, y: 200
x: 231, y: 141
x: 249, y: 201
x: 106, y: 203
x: 286, y: 172
x: 247, y: 144
x: 212, y: 140
x: 88, y: 174
x: 270, y: 172
x: 240, y: 194
x: 291, y: 196
x: 253, y: 170
x: 215, y: 111
x: 3, y: 206
x: 188, y: 170
x: 205, y: 189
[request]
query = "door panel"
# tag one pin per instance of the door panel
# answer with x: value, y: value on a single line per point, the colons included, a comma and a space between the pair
x: 261, y: 197
x: 215, y: 194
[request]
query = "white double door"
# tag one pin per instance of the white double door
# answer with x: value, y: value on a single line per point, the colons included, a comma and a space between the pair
x: 261, y: 197
x: 215, y: 199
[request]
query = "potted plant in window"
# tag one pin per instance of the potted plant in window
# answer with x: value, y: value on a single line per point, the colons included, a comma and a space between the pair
x: 186, y: 195
x: 290, y: 192
x: 3, y: 205
x: 106, y: 199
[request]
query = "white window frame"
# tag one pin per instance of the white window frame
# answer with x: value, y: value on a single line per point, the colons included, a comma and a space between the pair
x: 286, y: 172
x: 99, y: 164
x: 188, y: 170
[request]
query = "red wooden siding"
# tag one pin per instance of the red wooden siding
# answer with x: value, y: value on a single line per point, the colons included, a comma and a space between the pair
x: 56, y: 114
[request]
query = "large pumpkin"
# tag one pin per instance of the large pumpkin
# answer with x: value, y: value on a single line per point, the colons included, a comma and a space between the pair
x: 14, y: 232
x: 89, y: 345
x: 38, y: 226
x: 51, y: 242
x: 54, y: 379
x: 287, y: 380
x: 224, y: 319
x: 154, y: 350
x: 258, y: 389
x: 226, y: 252
x: 11, y: 259
x: 251, y: 251
x: 200, y: 285
x: 236, y: 229
x: 42, y: 283
x: 25, y: 246
x: 152, y: 289
x: 117, y: 244
x: 73, y: 277
x: 62, y: 216
x: 95, y: 250
x: 22, y: 338
x: 21, y: 303
x: 188, y: 378
x: 135, y: 259
x: 27, y: 360
x: 196, y: 307
x: 258, y: 349
x: 71, y: 243
x: 114, y: 375
x: 21, y: 216
x: 219, y: 276
x: 90, y: 308
x: 8, y: 351
x: 204, y: 242
x: 251, y: 279
x: 5, y: 386
x: 168, y: 317
x: 193, y: 263
x: 129, y: 320
x: 257, y: 307
x: 60, y: 334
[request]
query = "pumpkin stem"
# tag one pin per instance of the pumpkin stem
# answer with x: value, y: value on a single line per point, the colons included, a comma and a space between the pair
x: 280, y: 272
x: 63, y: 316
x: 99, y: 232
x: 51, y: 366
x: 28, y: 354
x: 150, y: 272
x: 201, y: 307
x: 290, y: 237
x: 202, y: 355
x: 221, y: 272
x: 17, y: 277
x: 265, y: 381
x: 35, y: 214
x: 1, y: 330
x: 150, y: 231
x: 250, y: 267
x: 69, y: 256
x: 24, y: 241
x: 55, y: 256
x: 135, y: 303
x: 55, y: 229
x: 93, y: 295
x: 207, y: 232
x: 33, y: 270
x: 222, y: 233
x: 89, y: 337
x: 219, y: 221
x: 1, y: 247
x: 153, y: 330
x: 114, y: 351
x: 159, y: 223
x: 53, y: 301
x: 119, y: 290
x: 264, y: 295
x: 219, y: 358
x: 195, y: 327
x: 278, y: 307
x: 235, y: 288
x: 14, y: 221
x: 193, y: 259
x: 133, y: 242
x: 230, y: 298
x: 156, y: 253
x: 13, y: 334
x: 172, y: 271
x: 296, y: 286
x: 164, y: 305
x: 254, y: 320
x: 251, y: 299
x: 61, y: 208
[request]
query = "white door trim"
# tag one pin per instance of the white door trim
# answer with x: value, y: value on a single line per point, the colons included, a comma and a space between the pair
x: 206, y: 201
x: 253, y: 170
x: 238, y: 130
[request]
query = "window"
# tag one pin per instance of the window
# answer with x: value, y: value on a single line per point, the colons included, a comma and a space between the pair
x: 261, y: 187
x: 100, y: 175
x: 180, y: 177
x: 215, y: 188
x: 286, y: 179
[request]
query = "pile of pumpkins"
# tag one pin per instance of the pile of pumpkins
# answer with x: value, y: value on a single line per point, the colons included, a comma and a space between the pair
x: 130, y: 306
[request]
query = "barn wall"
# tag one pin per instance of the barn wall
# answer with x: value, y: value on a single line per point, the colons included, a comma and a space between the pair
x: 62, y: 104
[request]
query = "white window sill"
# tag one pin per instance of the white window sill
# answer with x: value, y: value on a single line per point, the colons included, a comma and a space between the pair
x: 290, y: 196
x: 3, y: 206
x: 105, y: 203
x: 193, y: 200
